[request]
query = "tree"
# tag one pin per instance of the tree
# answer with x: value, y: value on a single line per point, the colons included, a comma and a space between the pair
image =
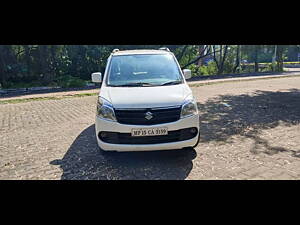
x: 237, y: 67
x: 281, y: 52
x: 220, y: 56
x: 2, y: 68
x: 48, y: 64
x: 7, y: 63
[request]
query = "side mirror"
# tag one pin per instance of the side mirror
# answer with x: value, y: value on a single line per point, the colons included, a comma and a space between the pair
x: 97, y: 77
x: 187, y: 73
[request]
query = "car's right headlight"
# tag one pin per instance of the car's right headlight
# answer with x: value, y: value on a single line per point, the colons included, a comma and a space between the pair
x: 189, y: 108
x: 105, y: 110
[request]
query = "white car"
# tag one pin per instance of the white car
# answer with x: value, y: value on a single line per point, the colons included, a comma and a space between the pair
x: 145, y: 103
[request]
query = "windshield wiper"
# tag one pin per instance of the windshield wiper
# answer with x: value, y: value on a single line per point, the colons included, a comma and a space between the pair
x: 139, y: 84
x: 172, y: 82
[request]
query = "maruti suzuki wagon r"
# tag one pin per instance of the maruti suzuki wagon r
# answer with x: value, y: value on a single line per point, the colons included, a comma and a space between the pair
x: 145, y: 103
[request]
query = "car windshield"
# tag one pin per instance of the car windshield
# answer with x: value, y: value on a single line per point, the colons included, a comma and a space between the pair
x: 144, y: 70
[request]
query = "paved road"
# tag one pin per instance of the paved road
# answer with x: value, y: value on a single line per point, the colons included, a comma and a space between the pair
x: 249, y: 130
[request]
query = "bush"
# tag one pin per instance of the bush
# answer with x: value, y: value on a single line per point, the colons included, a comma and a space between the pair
x: 70, y: 82
x: 210, y: 69
x: 248, y: 68
x: 16, y: 85
x: 267, y: 68
x: 77, y: 83
x: 194, y: 68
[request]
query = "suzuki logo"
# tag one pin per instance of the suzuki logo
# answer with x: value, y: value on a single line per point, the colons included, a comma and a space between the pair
x: 148, y: 115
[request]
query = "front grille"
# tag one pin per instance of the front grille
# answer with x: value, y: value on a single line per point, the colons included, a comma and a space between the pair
x: 126, y: 138
x: 138, y: 116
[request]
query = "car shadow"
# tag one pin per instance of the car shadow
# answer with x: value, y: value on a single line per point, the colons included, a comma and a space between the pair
x: 247, y: 115
x: 84, y: 161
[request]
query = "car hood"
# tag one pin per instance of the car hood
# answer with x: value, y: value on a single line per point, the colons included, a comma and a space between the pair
x: 146, y: 97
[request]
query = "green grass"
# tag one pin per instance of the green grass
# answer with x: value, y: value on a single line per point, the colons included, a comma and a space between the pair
x: 85, y: 94
x: 15, y: 101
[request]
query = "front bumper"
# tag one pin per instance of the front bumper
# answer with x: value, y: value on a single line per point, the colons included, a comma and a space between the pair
x: 104, y: 125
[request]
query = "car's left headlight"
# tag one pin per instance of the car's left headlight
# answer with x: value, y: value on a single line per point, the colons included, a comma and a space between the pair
x: 189, y: 108
x: 105, y: 110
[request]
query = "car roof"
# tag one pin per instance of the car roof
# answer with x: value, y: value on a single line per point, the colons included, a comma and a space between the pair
x: 140, y: 52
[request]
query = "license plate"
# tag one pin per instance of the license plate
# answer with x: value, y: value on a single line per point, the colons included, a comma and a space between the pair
x: 149, y: 132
